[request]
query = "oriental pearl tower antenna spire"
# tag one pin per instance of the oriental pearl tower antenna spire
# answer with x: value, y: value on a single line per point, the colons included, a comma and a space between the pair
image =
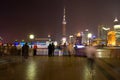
x: 64, y: 24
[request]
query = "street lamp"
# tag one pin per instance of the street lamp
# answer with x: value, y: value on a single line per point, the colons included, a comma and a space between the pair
x: 89, y: 37
x: 31, y: 37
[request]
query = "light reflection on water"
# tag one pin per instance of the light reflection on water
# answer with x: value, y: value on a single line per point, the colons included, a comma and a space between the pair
x: 31, y: 71
x: 103, y: 53
x: 86, y: 75
x: 99, y: 54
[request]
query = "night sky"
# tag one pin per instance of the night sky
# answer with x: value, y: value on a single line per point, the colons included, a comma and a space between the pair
x: 18, y: 18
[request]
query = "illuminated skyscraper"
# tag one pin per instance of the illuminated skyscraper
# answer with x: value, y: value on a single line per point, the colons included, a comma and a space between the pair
x: 111, y: 38
x: 102, y: 33
x: 117, y: 31
x: 64, y: 24
x: 85, y: 36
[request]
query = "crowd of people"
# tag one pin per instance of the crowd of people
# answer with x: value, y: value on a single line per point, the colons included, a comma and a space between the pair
x: 63, y: 49
x: 11, y: 49
x: 26, y: 50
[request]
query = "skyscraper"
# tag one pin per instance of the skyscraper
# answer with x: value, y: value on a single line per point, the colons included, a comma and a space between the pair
x: 117, y: 31
x: 64, y: 24
x: 102, y: 33
x: 85, y: 36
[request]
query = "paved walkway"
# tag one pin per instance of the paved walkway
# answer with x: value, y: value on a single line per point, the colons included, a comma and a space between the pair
x: 60, y: 68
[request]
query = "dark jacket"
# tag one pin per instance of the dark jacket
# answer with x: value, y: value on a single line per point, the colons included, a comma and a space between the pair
x: 25, y: 50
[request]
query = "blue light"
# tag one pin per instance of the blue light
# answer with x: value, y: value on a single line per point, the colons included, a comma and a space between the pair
x: 16, y: 43
x: 93, y: 36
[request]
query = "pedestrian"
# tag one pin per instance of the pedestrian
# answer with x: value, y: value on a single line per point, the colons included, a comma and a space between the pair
x: 53, y: 49
x: 1, y: 50
x: 65, y: 51
x: 59, y: 49
x: 70, y: 49
x: 91, y: 55
x: 35, y: 49
x: 49, y: 50
x: 25, y: 50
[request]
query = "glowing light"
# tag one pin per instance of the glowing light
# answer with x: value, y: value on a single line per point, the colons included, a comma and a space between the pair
x: 80, y: 46
x: 49, y: 35
x: 99, y: 54
x: 105, y: 28
x: 31, y: 36
x: 64, y: 40
x: 89, y: 35
x: 78, y: 34
x: 94, y: 36
x: 116, y: 20
x: 117, y: 27
x: 71, y: 36
x: 111, y: 38
x: 64, y: 22
x: 55, y: 43
x: 86, y: 29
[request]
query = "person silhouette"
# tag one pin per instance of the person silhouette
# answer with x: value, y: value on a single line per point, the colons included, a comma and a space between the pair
x: 25, y: 50
x: 53, y: 48
x: 49, y: 50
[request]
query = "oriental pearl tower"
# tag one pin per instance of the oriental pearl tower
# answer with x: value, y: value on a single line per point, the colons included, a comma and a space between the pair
x: 64, y: 25
x: 64, y: 39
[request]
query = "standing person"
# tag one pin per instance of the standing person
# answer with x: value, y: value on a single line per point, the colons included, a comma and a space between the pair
x: 25, y: 50
x: 53, y: 49
x: 60, y: 49
x: 49, y: 50
x: 65, y: 49
x: 35, y: 50
x: 91, y: 54
x: 70, y: 49
x: 1, y: 50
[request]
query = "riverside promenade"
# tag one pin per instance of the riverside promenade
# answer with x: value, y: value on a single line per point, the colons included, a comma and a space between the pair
x: 60, y: 68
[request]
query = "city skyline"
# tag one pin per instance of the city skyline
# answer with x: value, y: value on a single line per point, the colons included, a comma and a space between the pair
x: 20, y: 18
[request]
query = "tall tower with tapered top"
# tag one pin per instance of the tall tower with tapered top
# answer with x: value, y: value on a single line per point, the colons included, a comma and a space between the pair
x: 64, y: 24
